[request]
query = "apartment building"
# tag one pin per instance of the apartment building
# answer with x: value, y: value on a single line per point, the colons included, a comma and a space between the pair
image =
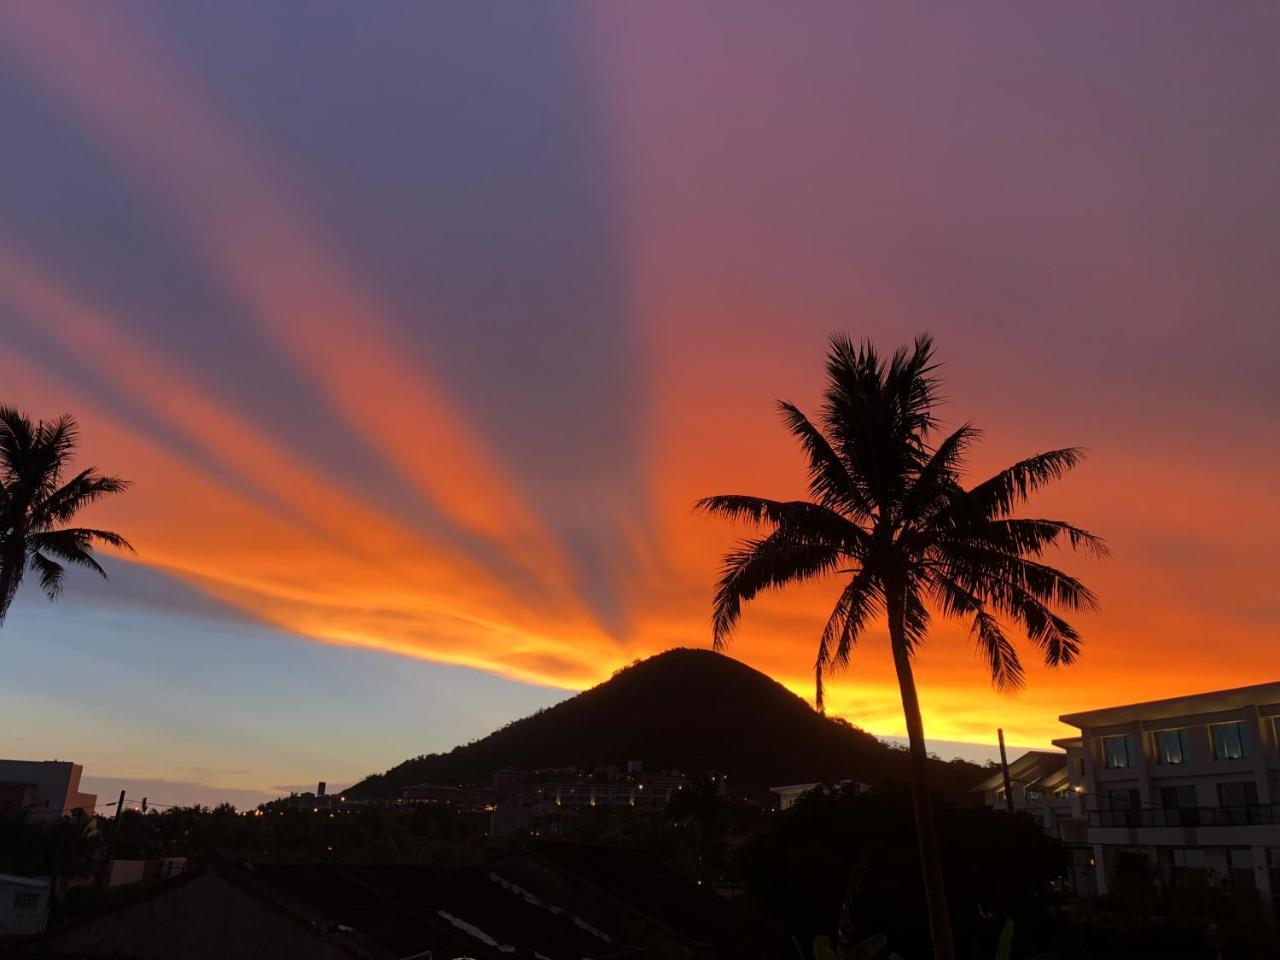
x: 645, y: 792
x: 43, y: 789
x: 1040, y: 785
x: 1191, y: 782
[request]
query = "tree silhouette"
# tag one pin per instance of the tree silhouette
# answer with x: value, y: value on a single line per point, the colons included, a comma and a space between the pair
x: 37, y: 506
x: 888, y: 513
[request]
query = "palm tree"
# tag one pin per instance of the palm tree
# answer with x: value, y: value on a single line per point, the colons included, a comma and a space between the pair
x: 888, y: 513
x: 36, y: 505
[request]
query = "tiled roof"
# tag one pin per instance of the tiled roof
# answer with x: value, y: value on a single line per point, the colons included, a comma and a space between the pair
x: 407, y: 910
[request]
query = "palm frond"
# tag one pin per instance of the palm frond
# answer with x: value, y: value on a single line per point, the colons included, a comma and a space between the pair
x: 915, y: 620
x: 1033, y: 536
x: 800, y: 520
x: 938, y: 477
x: 761, y: 564
x: 878, y: 414
x: 858, y: 603
x: 50, y: 575
x: 1001, y: 657
x: 1057, y: 640
x: 65, y: 502
x: 830, y: 482
x: 71, y: 546
x: 977, y: 568
x: 1013, y: 485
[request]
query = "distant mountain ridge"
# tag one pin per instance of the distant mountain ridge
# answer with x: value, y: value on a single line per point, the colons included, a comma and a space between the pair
x: 685, y: 709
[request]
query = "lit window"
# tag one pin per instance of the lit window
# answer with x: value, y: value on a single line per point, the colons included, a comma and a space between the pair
x: 1118, y: 752
x: 1173, y: 746
x: 1230, y: 740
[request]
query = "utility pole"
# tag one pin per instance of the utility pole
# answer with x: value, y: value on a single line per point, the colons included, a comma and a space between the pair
x: 111, y: 841
x: 1004, y: 769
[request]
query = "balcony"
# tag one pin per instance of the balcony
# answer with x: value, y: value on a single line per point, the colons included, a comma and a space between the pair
x: 1245, y: 815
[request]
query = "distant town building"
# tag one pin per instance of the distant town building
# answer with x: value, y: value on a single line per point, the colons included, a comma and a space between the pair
x: 610, y: 788
x: 24, y: 905
x: 1040, y: 786
x: 1192, y: 782
x: 789, y: 794
x: 43, y: 788
x: 475, y: 798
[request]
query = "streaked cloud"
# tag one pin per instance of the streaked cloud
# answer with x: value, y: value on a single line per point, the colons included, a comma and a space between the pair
x: 420, y: 332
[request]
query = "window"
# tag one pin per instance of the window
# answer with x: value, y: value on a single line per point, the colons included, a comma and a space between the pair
x: 1230, y: 740
x: 1034, y: 795
x: 1192, y: 858
x: 1062, y: 793
x: 1239, y: 858
x: 1239, y: 793
x: 26, y: 901
x: 1179, y: 797
x: 1118, y: 752
x: 1123, y: 798
x: 1173, y: 746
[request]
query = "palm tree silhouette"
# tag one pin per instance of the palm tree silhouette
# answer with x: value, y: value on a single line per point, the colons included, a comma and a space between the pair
x: 887, y: 511
x: 36, y: 506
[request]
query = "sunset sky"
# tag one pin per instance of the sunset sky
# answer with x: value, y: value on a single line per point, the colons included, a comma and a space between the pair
x: 419, y: 327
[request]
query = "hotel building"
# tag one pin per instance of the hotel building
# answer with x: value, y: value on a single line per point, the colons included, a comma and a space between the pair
x: 1191, y: 782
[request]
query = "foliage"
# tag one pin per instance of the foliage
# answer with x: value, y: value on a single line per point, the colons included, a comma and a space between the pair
x: 39, y: 502
x: 997, y: 867
x: 889, y: 514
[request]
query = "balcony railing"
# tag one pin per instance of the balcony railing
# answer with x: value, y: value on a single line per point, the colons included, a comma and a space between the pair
x: 1242, y: 815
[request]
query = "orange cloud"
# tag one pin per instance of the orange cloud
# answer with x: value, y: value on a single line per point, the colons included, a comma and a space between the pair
x: 259, y: 240
x: 735, y: 286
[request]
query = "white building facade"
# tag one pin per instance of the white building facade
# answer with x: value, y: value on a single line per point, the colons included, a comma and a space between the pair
x: 1192, y: 783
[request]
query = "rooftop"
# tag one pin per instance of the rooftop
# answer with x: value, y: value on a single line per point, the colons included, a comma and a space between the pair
x: 1176, y: 706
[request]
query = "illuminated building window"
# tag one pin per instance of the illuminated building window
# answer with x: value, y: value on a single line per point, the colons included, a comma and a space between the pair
x: 1119, y: 752
x: 1173, y: 746
x: 1230, y: 740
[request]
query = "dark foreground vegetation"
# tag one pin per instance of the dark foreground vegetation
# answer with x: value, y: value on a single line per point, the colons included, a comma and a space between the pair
x: 840, y: 865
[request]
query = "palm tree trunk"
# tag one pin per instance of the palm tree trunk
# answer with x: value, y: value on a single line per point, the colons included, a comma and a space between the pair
x: 926, y: 834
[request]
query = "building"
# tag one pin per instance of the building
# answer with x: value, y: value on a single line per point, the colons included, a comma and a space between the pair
x: 610, y: 788
x: 789, y: 794
x: 43, y: 788
x: 557, y: 900
x: 1040, y: 786
x: 1192, y: 783
x: 24, y: 905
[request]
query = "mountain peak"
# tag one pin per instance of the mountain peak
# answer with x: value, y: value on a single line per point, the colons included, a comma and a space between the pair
x: 684, y: 709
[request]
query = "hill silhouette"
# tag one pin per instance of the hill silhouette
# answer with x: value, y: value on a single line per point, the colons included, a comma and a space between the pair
x: 684, y: 709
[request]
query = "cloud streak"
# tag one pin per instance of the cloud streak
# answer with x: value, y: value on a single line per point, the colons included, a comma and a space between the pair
x: 557, y: 340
